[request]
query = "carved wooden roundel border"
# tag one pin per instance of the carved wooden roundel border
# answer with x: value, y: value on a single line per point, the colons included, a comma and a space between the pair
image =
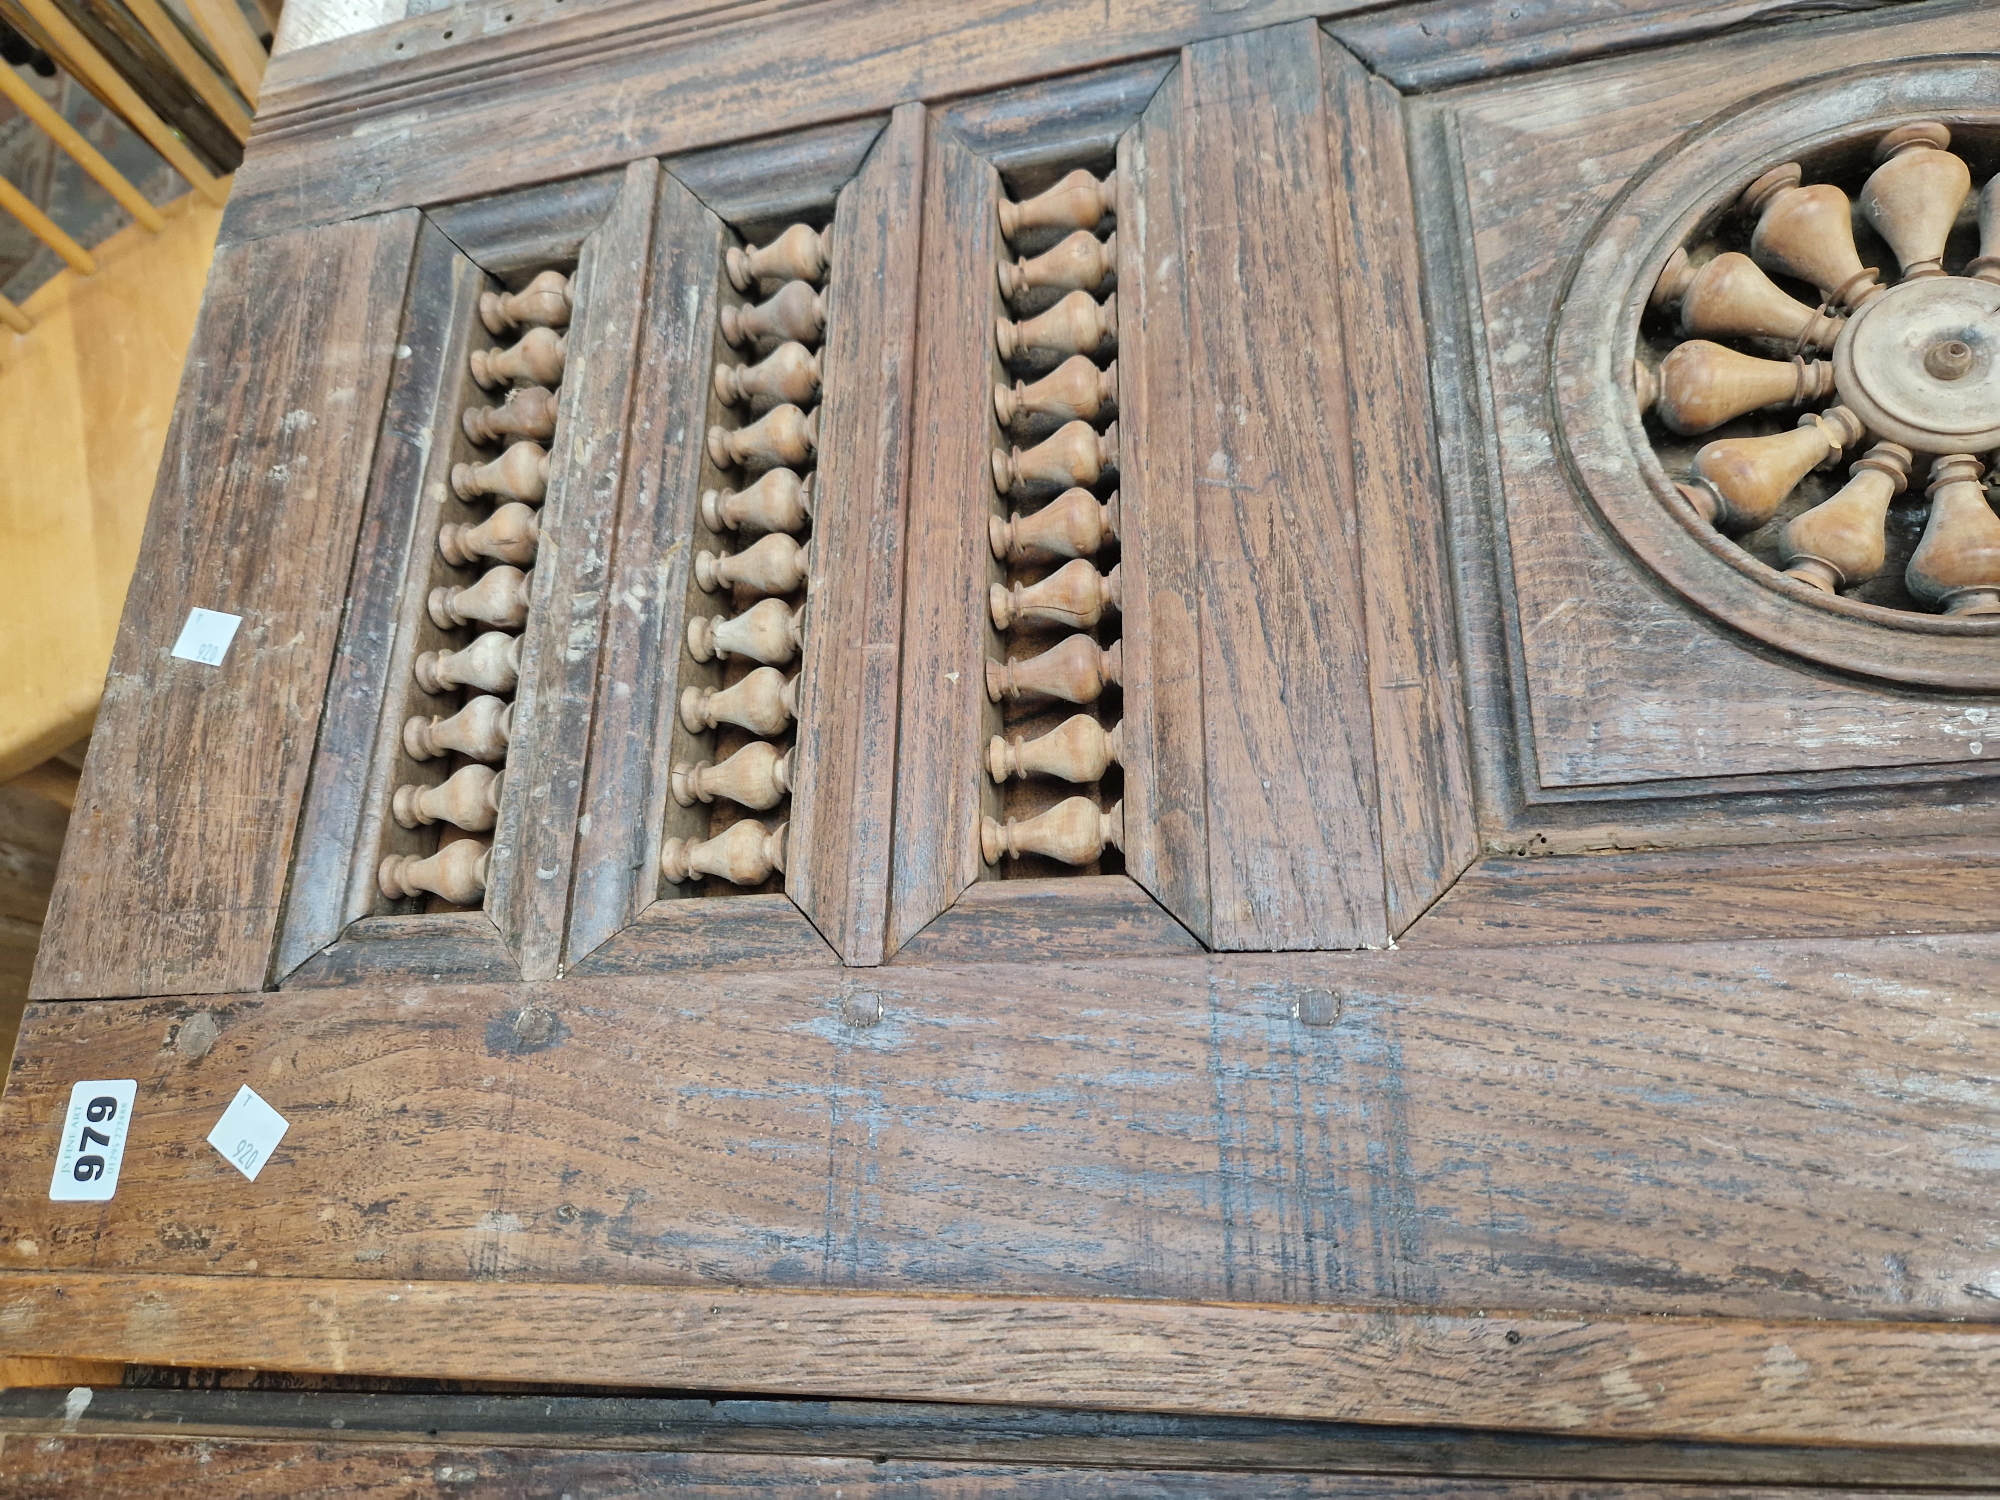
x: 1829, y: 124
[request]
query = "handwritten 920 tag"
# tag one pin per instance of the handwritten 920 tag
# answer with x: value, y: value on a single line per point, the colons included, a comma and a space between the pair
x: 206, y: 636
x: 248, y: 1132
x: 92, y: 1145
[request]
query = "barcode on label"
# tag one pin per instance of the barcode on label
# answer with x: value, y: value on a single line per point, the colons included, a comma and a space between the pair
x: 91, y: 1148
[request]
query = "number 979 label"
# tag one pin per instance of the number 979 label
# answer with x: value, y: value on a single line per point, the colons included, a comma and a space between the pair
x: 92, y: 1146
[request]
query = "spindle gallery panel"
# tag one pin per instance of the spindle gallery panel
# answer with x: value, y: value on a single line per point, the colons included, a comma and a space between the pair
x: 1713, y: 351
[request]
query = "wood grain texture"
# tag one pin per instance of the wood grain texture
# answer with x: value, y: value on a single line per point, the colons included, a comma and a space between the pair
x: 1764, y: 1129
x: 940, y: 749
x: 1070, y: 917
x: 1422, y: 756
x: 838, y: 854
x: 515, y: 234
x: 119, y: 1467
x: 1036, y: 131
x: 458, y: 947
x: 756, y: 931
x: 618, y: 840
x: 761, y: 187
x: 1870, y: 1383
x: 256, y: 512
x: 1293, y: 832
x: 1844, y: 889
x: 535, y: 840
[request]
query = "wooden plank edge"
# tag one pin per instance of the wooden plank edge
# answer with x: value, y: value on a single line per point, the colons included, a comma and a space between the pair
x: 438, y: 948
x: 1064, y: 917
x: 762, y: 931
x: 1853, y: 1383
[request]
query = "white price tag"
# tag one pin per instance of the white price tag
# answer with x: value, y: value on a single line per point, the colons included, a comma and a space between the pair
x: 248, y: 1132
x: 206, y: 636
x: 92, y: 1146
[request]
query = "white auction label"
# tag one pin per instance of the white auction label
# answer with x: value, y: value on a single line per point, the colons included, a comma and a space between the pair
x: 248, y: 1132
x: 206, y: 636
x: 92, y: 1146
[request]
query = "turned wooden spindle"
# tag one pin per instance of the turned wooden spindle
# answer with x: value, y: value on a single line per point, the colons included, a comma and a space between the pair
x: 1702, y: 385
x: 1075, y: 671
x: 1075, y: 595
x: 543, y: 302
x: 492, y: 664
x: 767, y: 632
x: 775, y: 564
x: 1079, y: 263
x: 510, y: 535
x: 783, y: 438
x: 1071, y: 525
x: 801, y: 253
x: 1987, y: 266
x: 1079, y: 324
x: 469, y: 799
x: 790, y: 373
x: 1808, y: 232
x: 1914, y: 196
x: 1074, y: 454
x: 536, y: 360
x: 456, y: 872
x: 763, y: 703
x: 1079, y: 201
x: 1843, y: 542
x: 499, y: 598
x: 1956, y: 567
x: 1739, y: 483
x: 480, y: 731
x: 1731, y: 297
x: 745, y: 853
x: 1073, y: 831
x: 778, y: 501
x: 528, y: 412
x: 759, y: 776
x: 797, y: 313
x: 521, y: 473
x: 1075, y: 388
x: 1079, y: 749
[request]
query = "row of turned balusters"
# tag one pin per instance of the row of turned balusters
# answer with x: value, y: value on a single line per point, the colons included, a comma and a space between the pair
x: 1913, y: 199
x: 504, y: 543
x: 1049, y: 555
x: 780, y: 339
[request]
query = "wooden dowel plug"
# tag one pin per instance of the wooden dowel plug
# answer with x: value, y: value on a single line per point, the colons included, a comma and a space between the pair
x: 1076, y: 388
x: 510, y: 535
x: 537, y: 360
x: 1079, y: 749
x: 1739, y: 483
x: 1808, y: 232
x: 480, y: 731
x: 1076, y: 595
x: 1076, y: 671
x: 521, y: 473
x: 1987, y: 266
x: 801, y: 253
x: 1079, y: 201
x: 790, y: 373
x: 775, y: 564
x: 499, y: 598
x: 763, y: 703
x: 767, y: 632
x: 1731, y: 297
x: 528, y: 412
x: 1071, y: 525
x: 1079, y: 324
x: 1073, y: 831
x: 797, y: 312
x: 1956, y: 567
x: 1843, y: 541
x: 456, y: 872
x: 783, y: 438
x: 1074, y: 454
x: 1079, y: 263
x: 746, y: 853
x: 759, y: 777
x: 779, y: 501
x: 543, y: 303
x: 492, y: 664
x: 1914, y: 196
x: 469, y: 799
x: 1703, y: 385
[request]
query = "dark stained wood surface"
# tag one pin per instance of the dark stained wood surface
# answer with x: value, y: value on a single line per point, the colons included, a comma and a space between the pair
x: 761, y: 187
x: 514, y: 235
x: 177, y: 854
x: 461, y: 947
x: 1070, y: 917
x: 1034, y: 132
x: 757, y: 931
x: 844, y: 784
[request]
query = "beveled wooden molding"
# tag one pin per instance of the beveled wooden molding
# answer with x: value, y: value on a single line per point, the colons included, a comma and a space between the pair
x: 521, y: 228
x: 1879, y: 1383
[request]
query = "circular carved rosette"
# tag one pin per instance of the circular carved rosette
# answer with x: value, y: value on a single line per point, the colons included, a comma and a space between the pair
x: 1777, y: 370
